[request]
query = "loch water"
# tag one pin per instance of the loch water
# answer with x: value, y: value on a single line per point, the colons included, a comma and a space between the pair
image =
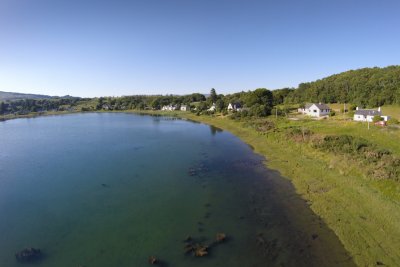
x: 113, y: 189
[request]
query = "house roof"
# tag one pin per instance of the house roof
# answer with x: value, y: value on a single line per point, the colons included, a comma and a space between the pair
x: 237, y: 105
x: 308, y: 105
x: 368, y: 112
x: 322, y: 106
x: 318, y: 105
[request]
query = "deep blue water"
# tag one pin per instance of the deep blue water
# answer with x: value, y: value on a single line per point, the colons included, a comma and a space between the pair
x: 113, y: 189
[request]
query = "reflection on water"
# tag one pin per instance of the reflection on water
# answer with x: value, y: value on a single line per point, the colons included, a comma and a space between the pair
x: 120, y: 189
x: 215, y: 130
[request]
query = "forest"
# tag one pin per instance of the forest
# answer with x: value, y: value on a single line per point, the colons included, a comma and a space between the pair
x: 367, y: 87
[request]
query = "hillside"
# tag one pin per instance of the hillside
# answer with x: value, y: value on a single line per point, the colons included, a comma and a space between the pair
x: 367, y: 87
x: 5, y: 96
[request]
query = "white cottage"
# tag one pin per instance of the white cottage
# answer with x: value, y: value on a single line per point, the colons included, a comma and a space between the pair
x: 185, y: 108
x: 212, y: 108
x: 234, y: 106
x: 368, y: 114
x: 315, y: 110
x: 169, y: 108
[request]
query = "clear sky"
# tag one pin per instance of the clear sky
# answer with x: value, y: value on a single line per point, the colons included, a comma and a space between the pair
x: 98, y: 48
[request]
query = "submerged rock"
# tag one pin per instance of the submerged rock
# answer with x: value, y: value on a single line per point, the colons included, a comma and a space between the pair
x: 220, y: 237
x: 153, y: 260
x: 28, y: 255
x: 200, y: 250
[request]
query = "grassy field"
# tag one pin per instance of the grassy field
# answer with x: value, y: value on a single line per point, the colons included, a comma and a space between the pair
x: 363, y: 212
x: 393, y: 111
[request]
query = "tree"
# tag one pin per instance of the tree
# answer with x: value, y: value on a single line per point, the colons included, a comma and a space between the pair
x: 377, y: 118
x: 220, y: 105
x: 155, y: 104
x: 213, y: 95
x: 2, y: 107
x: 260, y: 96
x: 202, y: 106
x: 259, y: 101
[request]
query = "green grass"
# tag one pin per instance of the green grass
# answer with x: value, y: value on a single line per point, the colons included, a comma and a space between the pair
x: 391, y: 110
x: 338, y: 106
x: 363, y: 213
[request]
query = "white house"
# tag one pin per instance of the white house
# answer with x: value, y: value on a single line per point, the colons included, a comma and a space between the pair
x: 315, y: 110
x: 369, y: 114
x: 185, y: 108
x: 234, y: 106
x: 106, y: 107
x: 169, y: 108
x: 212, y: 108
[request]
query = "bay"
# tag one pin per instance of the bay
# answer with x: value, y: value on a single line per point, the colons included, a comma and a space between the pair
x: 113, y: 189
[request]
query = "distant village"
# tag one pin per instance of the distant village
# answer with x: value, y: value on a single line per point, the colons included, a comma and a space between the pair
x: 314, y: 110
x: 213, y: 108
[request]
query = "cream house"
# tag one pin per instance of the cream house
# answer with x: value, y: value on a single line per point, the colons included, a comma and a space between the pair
x: 315, y: 110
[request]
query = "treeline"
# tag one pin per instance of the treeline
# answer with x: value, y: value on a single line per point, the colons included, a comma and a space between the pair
x: 368, y: 87
x: 25, y: 106
x: 253, y: 103
x: 142, y: 102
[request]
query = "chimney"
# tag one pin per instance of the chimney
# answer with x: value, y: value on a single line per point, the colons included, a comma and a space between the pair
x: 379, y: 109
x: 356, y: 108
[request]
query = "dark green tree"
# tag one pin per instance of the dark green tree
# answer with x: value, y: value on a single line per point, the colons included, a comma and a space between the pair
x: 213, y: 95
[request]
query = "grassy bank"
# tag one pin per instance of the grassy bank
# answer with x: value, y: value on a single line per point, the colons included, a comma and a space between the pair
x: 363, y: 212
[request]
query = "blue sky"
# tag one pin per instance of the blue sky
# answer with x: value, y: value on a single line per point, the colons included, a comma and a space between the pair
x: 98, y: 48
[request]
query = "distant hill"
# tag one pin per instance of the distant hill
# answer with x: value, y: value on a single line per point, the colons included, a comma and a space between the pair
x: 367, y: 87
x: 9, y: 96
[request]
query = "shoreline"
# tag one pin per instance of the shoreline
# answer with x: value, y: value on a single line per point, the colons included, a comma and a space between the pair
x: 349, y: 195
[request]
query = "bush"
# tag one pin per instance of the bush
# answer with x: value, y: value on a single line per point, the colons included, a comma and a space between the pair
x: 343, y: 144
x: 377, y: 118
x: 379, y: 163
x: 392, y: 121
x: 299, y: 134
x: 332, y: 113
x: 263, y: 126
x: 353, y: 107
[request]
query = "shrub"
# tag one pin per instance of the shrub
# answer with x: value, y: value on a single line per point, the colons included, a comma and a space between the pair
x: 263, y: 126
x: 299, y: 134
x: 377, y: 118
x: 392, y: 121
x: 385, y: 164
x: 353, y: 107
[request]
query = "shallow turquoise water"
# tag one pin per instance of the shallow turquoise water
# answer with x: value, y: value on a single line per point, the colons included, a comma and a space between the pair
x: 114, y: 189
